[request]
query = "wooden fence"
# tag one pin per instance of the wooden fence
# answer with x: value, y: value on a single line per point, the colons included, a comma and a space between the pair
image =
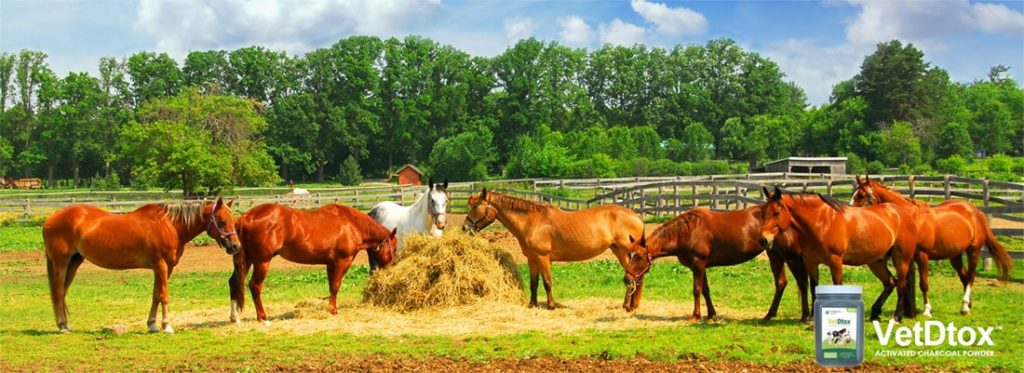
x: 657, y: 197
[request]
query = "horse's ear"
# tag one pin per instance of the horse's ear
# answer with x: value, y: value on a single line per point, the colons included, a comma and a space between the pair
x: 483, y: 194
x: 218, y: 204
x: 445, y: 183
x: 766, y: 194
x: 778, y: 194
x: 231, y: 202
x: 430, y: 184
x: 643, y: 240
x: 856, y: 178
x: 867, y: 178
x: 393, y: 232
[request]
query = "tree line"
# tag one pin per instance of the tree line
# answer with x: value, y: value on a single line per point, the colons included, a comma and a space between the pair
x: 366, y: 106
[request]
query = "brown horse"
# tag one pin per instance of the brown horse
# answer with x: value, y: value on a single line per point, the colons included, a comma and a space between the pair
x: 702, y: 238
x: 331, y: 235
x: 547, y: 233
x: 946, y: 231
x: 154, y: 237
x: 834, y: 234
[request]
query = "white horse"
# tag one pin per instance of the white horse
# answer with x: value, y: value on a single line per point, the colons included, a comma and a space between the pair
x: 426, y: 215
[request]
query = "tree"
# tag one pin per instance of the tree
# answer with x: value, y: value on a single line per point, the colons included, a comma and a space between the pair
x: 464, y: 157
x: 209, y: 70
x: 899, y: 146
x: 153, y: 76
x: 954, y: 140
x: 200, y: 143
x: 350, y: 174
x: 993, y: 125
x: 895, y: 83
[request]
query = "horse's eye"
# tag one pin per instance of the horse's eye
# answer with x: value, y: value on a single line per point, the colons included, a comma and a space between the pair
x: 776, y: 213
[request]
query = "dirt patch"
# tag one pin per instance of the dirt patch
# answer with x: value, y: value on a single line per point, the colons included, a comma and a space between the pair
x: 310, y: 316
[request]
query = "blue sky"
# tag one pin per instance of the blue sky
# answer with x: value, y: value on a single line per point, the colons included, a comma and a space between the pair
x: 817, y: 43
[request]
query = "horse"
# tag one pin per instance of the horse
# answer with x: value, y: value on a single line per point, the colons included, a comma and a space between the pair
x: 153, y: 236
x: 946, y: 231
x: 547, y: 233
x: 835, y: 234
x: 331, y: 235
x: 425, y: 215
x: 702, y: 238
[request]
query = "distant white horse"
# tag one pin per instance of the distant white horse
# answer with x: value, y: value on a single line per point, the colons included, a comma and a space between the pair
x: 427, y: 214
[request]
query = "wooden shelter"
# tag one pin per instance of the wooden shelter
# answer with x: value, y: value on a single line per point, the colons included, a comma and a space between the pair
x: 410, y: 175
x: 806, y: 165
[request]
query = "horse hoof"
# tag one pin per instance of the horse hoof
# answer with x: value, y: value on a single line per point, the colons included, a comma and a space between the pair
x: 154, y: 329
x: 266, y: 322
x: 965, y: 312
x: 65, y: 330
x: 168, y: 329
x: 551, y: 307
x: 710, y: 320
x: 694, y: 319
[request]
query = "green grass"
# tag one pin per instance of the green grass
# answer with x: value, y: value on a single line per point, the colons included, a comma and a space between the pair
x: 21, y: 239
x: 102, y: 298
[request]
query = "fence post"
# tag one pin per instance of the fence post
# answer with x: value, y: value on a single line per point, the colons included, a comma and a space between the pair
x: 693, y: 195
x: 913, y: 190
x: 657, y: 204
x: 675, y: 196
x: 714, y: 196
x: 828, y: 186
x: 985, y: 201
x: 318, y: 199
x: 945, y: 186
x: 640, y: 199
x: 28, y: 208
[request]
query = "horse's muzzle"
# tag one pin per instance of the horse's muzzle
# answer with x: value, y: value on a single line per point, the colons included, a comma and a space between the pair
x: 766, y: 243
x: 440, y: 221
x: 232, y: 248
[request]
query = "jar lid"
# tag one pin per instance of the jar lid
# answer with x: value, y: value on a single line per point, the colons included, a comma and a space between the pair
x: 838, y: 289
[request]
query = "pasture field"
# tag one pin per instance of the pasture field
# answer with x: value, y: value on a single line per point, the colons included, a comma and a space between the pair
x: 588, y: 325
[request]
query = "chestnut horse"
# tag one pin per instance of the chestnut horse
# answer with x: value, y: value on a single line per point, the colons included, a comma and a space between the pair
x: 547, y: 233
x: 702, y: 238
x: 153, y: 236
x: 331, y: 235
x: 834, y: 234
x: 946, y: 231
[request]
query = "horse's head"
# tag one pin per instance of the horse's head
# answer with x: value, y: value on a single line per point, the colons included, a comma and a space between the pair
x: 481, y: 213
x: 437, y: 203
x: 775, y: 217
x: 639, y: 258
x: 864, y: 193
x: 384, y: 252
x: 222, y: 225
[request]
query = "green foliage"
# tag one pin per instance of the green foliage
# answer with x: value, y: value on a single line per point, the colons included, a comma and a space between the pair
x: 350, y: 173
x: 899, y: 146
x: 695, y: 144
x: 199, y: 143
x: 464, y: 157
x: 954, y: 165
x: 954, y: 139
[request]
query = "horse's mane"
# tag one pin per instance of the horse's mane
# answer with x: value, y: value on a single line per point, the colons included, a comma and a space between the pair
x: 681, y: 223
x: 362, y: 222
x: 878, y: 185
x: 184, y: 212
x: 835, y: 204
x: 515, y: 204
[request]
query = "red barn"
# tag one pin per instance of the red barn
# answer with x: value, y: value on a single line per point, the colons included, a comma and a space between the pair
x: 409, y: 174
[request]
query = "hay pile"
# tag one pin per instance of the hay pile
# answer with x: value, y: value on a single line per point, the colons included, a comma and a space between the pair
x: 449, y: 271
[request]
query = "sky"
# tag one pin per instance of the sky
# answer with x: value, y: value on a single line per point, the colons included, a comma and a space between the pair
x: 816, y: 43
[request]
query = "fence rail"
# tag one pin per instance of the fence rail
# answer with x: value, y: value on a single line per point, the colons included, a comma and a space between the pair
x: 648, y: 196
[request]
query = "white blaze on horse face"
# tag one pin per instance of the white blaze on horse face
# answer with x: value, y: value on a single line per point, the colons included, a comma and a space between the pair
x: 438, y: 206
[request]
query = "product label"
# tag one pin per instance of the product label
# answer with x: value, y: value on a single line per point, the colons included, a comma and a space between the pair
x: 839, y: 333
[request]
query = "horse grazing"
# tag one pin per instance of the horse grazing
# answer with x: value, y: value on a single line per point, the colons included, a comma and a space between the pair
x: 425, y: 215
x: 547, y: 233
x: 946, y: 231
x: 331, y: 235
x: 702, y: 238
x: 834, y: 234
x: 153, y: 236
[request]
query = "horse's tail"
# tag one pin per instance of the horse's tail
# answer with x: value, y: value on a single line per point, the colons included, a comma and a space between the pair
x: 999, y: 254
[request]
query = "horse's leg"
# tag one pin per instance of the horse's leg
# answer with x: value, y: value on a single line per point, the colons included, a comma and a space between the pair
x: 973, y: 255
x: 777, y: 263
x: 922, y: 269
x: 55, y: 270
x: 160, y: 296
x: 698, y: 289
x: 637, y: 293
x: 76, y: 261
x: 534, y: 278
x: 545, y: 270
x: 812, y: 275
x: 259, y: 274
x: 706, y: 290
x: 236, y: 284
x: 881, y: 271
x: 902, y: 265
x: 335, y: 272
x: 800, y: 273
x: 835, y: 266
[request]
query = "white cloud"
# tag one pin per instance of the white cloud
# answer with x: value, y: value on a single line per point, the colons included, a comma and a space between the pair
x: 671, y: 21
x: 574, y: 31
x: 814, y: 68
x: 997, y: 18
x: 276, y: 24
x: 621, y: 33
x: 519, y: 28
x: 928, y: 23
